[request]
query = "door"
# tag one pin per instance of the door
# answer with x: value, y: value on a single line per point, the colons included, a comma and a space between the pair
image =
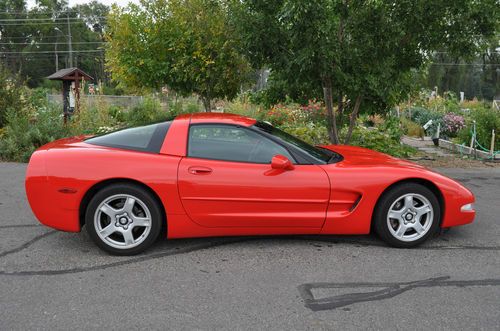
x: 227, y: 181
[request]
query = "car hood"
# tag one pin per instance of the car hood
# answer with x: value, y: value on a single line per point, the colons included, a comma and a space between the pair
x: 354, y: 155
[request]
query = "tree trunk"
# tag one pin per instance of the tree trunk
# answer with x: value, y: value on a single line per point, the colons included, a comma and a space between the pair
x: 330, y: 113
x: 207, y: 104
x: 352, y: 119
x: 340, y: 109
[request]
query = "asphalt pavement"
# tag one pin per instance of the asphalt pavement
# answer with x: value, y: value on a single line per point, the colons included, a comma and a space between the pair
x: 54, y: 280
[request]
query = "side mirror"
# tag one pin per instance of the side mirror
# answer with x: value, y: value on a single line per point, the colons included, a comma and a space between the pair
x: 281, y: 162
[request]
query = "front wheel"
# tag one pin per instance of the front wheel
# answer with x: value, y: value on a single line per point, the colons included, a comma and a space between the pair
x: 123, y: 219
x: 407, y: 215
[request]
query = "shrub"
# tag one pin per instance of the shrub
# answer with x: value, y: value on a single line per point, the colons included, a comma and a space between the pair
x: 381, y: 141
x: 148, y: 111
x: 315, y: 134
x: 13, y: 95
x: 411, y: 128
x: 452, y: 123
x: 182, y: 106
x: 422, y: 115
x: 26, y: 131
x: 384, y: 137
x: 314, y: 111
x: 487, y: 119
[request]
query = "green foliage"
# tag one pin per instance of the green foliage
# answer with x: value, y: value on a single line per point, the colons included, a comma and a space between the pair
x: 315, y: 134
x: 185, y: 44
x: 35, y: 30
x: 148, y: 111
x: 411, y: 128
x: 366, y: 49
x: 487, y: 119
x: 13, y: 94
x: 30, y: 128
x: 385, y: 138
x: 475, y: 76
x: 26, y: 132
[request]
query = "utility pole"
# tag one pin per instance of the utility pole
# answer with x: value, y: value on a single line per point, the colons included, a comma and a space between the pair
x: 70, y: 46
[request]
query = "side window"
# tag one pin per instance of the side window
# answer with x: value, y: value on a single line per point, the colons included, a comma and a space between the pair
x: 232, y: 143
x: 144, y: 138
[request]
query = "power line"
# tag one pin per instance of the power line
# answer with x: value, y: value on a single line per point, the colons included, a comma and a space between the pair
x: 48, y: 19
x: 44, y: 23
x: 39, y: 12
x: 27, y: 37
x: 34, y: 43
x: 52, y: 52
x: 466, y: 64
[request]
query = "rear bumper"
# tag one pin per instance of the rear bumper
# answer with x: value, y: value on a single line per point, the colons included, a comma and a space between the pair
x: 47, y: 204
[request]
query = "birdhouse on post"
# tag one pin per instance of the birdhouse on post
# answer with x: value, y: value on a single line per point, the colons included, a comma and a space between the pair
x: 71, y: 79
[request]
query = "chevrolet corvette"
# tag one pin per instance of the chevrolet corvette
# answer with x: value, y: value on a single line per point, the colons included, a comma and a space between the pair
x: 210, y: 174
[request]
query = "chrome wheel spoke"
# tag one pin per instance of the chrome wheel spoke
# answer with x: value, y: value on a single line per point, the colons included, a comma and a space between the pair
x: 396, y: 214
x: 409, y: 201
x: 108, y: 210
x: 418, y: 228
x: 129, y: 205
x: 129, y: 238
x: 401, y: 230
x: 421, y: 211
x: 109, y: 230
x: 141, y: 221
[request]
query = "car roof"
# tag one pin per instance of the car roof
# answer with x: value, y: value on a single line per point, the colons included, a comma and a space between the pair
x: 224, y: 118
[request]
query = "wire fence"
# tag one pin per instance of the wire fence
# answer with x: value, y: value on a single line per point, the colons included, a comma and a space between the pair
x: 122, y: 101
x: 477, y: 146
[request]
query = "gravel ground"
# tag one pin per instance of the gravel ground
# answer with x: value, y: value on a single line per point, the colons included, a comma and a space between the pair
x: 53, y: 280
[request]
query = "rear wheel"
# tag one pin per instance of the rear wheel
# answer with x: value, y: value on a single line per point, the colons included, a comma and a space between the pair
x: 123, y: 219
x: 407, y: 215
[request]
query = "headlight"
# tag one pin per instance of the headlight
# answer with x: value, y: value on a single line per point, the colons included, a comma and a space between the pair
x: 467, y: 207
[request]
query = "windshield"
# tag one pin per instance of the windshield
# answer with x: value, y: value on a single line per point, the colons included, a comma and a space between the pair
x: 320, y: 154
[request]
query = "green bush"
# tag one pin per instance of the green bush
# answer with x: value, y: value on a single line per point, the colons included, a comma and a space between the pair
x: 411, y: 128
x: 25, y: 132
x: 422, y: 115
x: 378, y: 140
x: 312, y: 133
x: 148, y: 111
x: 384, y: 137
x: 183, y: 106
x: 487, y: 119
x: 13, y: 95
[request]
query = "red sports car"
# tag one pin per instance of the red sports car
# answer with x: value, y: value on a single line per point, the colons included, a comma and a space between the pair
x: 209, y: 174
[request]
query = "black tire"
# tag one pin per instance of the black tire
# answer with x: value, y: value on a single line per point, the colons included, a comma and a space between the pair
x: 381, y: 222
x: 144, y: 203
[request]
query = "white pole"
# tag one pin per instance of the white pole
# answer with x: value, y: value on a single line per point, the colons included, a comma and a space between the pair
x: 472, y: 138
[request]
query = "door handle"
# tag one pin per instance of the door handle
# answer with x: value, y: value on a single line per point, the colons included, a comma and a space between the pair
x: 199, y: 170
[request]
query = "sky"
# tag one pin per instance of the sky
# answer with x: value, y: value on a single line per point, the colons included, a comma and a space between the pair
x: 31, y: 3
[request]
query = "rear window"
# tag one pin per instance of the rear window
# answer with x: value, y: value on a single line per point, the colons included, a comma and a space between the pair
x: 147, y: 138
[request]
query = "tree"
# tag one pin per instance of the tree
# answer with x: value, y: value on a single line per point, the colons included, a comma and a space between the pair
x: 184, y: 44
x: 357, y: 53
x: 476, y: 77
x: 11, y: 94
x: 34, y: 41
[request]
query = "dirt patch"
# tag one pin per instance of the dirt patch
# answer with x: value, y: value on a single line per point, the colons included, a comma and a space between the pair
x: 435, y: 161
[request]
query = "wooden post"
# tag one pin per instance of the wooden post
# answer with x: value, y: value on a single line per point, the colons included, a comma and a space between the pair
x: 77, y: 92
x: 65, y: 115
x: 492, y: 145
